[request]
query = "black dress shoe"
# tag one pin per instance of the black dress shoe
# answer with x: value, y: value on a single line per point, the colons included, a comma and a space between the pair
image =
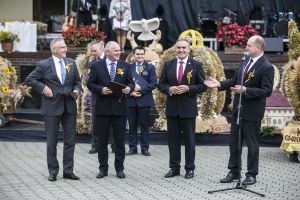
x: 249, y: 180
x: 52, y: 177
x: 120, y: 174
x: 101, y: 174
x: 172, y: 173
x: 71, y: 176
x: 93, y: 150
x: 131, y: 152
x: 229, y: 178
x: 189, y: 174
x: 146, y: 153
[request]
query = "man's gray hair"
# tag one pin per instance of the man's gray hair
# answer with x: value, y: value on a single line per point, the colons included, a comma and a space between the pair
x: 54, y: 42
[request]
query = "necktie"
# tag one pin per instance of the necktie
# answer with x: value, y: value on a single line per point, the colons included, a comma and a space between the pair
x: 112, y: 71
x: 62, y: 71
x: 180, y: 72
x: 139, y: 69
x: 247, y: 67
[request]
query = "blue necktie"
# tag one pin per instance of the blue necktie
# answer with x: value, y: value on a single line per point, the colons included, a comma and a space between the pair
x: 112, y: 72
x: 62, y: 71
x: 139, y: 69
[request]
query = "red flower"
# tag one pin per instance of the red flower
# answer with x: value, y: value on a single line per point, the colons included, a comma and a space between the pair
x: 82, y: 35
x: 234, y: 34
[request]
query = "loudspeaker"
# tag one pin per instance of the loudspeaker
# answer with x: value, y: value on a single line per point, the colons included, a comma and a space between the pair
x: 274, y: 45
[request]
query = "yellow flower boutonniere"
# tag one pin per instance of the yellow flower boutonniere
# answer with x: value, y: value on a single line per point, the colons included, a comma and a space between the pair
x: 141, y: 70
x: 250, y: 76
x: 189, y: 76
x: 68, y: 67
x: 120, y: 72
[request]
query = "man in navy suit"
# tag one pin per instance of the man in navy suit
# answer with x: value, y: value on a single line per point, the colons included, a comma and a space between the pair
x: 96, y: 48
x: 140, y: 101
x: 257, y: 76
x: 110, y: 110
x: 57, y: 80
x: 181, y: 80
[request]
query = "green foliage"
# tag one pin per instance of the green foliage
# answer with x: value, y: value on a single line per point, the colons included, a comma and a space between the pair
x: 267, y: 130
x: 7, y: 36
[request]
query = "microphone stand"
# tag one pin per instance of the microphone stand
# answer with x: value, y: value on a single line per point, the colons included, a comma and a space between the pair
x: 239, y: 185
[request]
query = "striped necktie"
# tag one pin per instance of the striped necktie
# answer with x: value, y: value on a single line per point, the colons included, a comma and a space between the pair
x: 246, y: 69
x: 112, y: 72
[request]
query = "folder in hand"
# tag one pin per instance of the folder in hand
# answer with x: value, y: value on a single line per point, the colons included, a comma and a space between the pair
x: 116, y: 89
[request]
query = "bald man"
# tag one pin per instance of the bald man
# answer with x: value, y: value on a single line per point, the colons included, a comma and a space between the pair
x: 109, y: 110
x: 257, y: 75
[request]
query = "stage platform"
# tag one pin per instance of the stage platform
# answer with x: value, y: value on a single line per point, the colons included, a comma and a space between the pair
x: 27, y: 125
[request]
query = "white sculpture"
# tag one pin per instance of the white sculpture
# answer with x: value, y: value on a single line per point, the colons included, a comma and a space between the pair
x: 145, y: 26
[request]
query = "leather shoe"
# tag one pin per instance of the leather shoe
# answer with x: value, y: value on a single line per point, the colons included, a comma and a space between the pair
x: 146, y: 153
x: 93, y: 150
x: 249, y: 180
x: 189, y: 174
x: 71, y: 176
x: 172, y: 173
x: 120, y: 174
x: 101, y: 174
x: 229, y: 178
x: 131, y: 152
x: 52, y: 177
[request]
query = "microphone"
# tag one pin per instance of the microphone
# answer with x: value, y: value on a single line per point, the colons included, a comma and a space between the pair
x: 245, y: 56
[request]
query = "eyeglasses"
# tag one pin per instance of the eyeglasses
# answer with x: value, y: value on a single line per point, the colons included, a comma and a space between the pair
x: 139, y: 54
x: 62, y: 47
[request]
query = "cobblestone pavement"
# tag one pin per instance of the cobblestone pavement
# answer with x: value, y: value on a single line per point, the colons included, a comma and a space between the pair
x: 23, y: 175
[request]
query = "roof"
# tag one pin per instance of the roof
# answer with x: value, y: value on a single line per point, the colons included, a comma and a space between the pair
x: 277, y: 100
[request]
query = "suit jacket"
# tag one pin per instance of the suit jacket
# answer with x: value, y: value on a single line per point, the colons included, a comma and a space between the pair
x: 147, y: 81
x: 183, y: 105
x: 94, y: 97
x: 45, y: 74
x: 259, y: 86
x: 99, y: 78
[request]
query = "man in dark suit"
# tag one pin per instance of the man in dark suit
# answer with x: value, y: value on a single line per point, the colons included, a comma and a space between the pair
x: 57, y: 79
x: 97, y: 50
x: 257, y: 77
x: 140, y: 101
x: 181, y: 80
x: 110, y: 110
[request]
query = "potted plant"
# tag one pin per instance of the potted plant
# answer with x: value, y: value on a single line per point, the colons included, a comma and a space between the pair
x: 235, y: 37
x: 7, y: 39
x: 82, y: 35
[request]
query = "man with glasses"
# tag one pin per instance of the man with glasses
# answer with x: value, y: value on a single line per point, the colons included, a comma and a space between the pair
x: 181, y: 80
x: 58, y: 81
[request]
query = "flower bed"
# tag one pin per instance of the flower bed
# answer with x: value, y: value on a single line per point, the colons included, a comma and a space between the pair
x: 81, y: 36
x: 235, y: 35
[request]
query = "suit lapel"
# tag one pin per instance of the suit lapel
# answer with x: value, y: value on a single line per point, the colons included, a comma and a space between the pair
x: 188, y: 68
x: 104, y: 69
x: 253, y: 68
